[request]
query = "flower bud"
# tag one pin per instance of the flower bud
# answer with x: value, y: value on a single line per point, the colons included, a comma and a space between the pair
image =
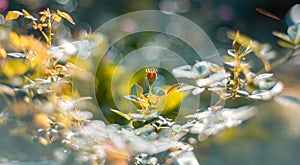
x: 151, y: 74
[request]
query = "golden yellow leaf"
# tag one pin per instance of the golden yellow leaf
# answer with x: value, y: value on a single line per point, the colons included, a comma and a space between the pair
x: 43, y: 18
x: 46, y: 12
x: 12, y: 15
x: 26, y: 12
x: 3, y: 54
x: 14, y: 39
x: 41, y: 120
x: 14, y: 68
x: 66, y: 16
x: 62, y: 120
x: 56, y: 17
x: 43, y: 141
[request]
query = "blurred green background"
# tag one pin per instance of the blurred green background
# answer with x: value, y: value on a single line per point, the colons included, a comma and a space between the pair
x: 272, y: 137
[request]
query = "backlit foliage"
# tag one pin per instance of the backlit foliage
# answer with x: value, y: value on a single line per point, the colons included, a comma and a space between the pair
x: 43, y: 107
x: 44, y: 24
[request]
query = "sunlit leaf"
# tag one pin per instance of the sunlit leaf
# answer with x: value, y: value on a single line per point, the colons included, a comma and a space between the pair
x: 12, y: 15
x: 121, y: 114
x: 66, y: 16
x: 16, y: 55
x: 283, y: 36
x: 14, y: 68
x: 236, y: 44
x: 56, y: 17
x: 136, y: 90
x: 286, y: 45
x: 41, y: 120
x: 3, y: 54
x: 43, y: 141
x: 242, y: 39
x: 45, y: 12
x: 26, y: 12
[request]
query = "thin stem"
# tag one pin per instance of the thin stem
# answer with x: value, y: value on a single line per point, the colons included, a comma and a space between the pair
x: 150, y: 89
x: 50, y: 31
x: 280, y: 61
x: 236, y: 73
x: 45, y: 36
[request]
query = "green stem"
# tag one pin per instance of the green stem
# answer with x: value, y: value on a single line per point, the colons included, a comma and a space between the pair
x: 150, y: 89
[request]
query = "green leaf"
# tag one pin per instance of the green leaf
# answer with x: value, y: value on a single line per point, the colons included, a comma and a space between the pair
x: 136, y: 90
x: 126, y: 116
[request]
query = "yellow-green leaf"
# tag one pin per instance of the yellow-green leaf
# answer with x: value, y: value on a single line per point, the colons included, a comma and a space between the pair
x: 26, y: 12
x: 56, y: 17
x: 12, y: 15
x: 283, y: 36
x: 121, y: 114
x: 14, y: 68
x: 241, y: 39
x: 66, y: 16
x: 285, y: 45
x: 3, y: 54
